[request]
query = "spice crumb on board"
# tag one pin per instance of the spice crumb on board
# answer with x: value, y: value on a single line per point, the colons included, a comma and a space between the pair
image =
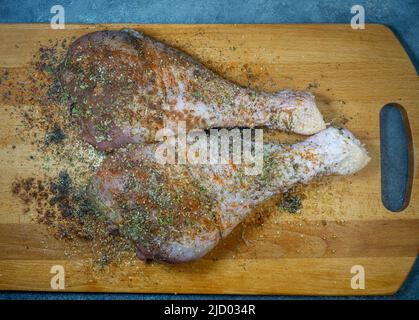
x: 56, y: 197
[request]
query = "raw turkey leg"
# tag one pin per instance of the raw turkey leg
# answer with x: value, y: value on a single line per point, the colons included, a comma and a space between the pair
x: 177, y: 213
x: 125, y: 86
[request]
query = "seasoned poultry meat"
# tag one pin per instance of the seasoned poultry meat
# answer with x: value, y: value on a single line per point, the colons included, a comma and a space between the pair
x: 124, y: 86
x: 178, y: 213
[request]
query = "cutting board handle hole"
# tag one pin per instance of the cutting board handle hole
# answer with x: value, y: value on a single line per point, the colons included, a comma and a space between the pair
x: 396, y: 150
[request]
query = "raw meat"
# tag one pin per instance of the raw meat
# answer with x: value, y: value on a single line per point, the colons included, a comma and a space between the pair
x: 124, y: 86
x: 178, y: 213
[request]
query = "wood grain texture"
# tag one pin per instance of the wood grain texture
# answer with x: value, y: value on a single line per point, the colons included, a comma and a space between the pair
x: 353, y: 73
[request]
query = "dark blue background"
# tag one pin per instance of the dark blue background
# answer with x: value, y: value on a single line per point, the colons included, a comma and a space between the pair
x: 401, y: 16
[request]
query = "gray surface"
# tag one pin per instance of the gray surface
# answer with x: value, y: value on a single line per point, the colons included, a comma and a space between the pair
x: 401, y: 16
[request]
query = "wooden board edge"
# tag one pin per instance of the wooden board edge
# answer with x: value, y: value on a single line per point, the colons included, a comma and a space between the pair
x: 318, y: 280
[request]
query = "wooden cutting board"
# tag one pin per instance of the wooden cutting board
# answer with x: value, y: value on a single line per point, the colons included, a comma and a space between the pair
x: 353, y: 74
